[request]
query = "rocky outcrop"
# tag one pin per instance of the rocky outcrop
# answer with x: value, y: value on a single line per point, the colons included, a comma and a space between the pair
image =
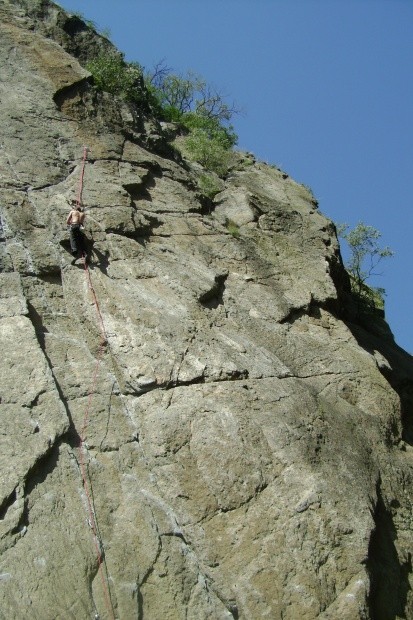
x: 247, y: 442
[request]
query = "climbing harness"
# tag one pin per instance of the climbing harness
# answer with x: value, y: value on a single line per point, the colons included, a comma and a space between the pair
x: 91, y: 516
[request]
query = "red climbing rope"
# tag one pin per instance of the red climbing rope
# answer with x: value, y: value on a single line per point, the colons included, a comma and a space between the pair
x: 82, y: 174
x: 82, y: 443
x: 82, y: 452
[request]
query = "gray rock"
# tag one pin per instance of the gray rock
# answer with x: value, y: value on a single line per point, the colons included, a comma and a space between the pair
x: 194, y: 424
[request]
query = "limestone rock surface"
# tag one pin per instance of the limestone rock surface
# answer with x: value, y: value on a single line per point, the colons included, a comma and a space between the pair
x: 195, y: 426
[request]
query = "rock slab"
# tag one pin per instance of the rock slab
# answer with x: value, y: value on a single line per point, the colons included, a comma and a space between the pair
x: 248, y: 443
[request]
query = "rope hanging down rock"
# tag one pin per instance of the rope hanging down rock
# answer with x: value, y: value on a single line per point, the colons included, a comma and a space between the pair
x: 102, y: 569
x: 82, y: 174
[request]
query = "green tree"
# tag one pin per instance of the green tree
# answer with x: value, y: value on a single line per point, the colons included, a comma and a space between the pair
x: 365, y: 256
x: 183, y: 93
x: 178, y: 92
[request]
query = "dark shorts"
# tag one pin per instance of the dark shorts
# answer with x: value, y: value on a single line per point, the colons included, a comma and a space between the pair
x: 76, y: 239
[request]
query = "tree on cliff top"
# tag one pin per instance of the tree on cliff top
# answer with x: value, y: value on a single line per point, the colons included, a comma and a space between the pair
x: 365, y: 255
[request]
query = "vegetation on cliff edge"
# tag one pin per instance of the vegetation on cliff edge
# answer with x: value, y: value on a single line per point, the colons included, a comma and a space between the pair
x: 199, y: 110
x: 365, y: 256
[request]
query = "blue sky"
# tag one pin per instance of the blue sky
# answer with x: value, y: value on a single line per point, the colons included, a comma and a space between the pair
x: 326, y: 88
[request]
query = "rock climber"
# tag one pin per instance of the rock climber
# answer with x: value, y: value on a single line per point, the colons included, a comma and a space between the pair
x: 75, y: 221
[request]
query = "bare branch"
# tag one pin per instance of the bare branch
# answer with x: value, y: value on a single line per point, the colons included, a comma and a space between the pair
x: 158, y: 74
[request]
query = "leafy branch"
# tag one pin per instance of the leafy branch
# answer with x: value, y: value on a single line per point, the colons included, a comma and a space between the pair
x: 365, y: 256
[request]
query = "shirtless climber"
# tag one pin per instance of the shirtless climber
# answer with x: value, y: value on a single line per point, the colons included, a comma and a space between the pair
x: 75, y: 221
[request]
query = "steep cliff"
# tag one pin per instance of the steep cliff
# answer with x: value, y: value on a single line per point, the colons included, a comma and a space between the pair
x: 195, y: 425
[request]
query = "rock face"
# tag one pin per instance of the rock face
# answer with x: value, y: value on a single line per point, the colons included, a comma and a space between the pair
x: 196, y: 426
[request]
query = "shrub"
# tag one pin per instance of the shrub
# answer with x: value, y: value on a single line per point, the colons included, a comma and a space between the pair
x: 368, y: 298
x: 208, y: 142
x: 206, y: 151
x: 310, y: 191
x: 113, y: 75
x: 209, y: 185
x: 211, y: 127
x: 233, y: 229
